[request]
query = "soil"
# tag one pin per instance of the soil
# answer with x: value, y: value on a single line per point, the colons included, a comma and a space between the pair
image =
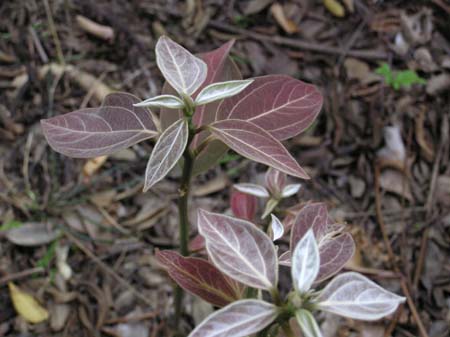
x: 378, y: 154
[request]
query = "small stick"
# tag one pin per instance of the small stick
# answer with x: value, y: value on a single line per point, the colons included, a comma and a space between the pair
x: 403, y: 284
x: 107, y: 269
x: 98, y: 30
x: 133, y: 318
x: 12, y: 277
x: 301, y: 44
x: 51, y: 24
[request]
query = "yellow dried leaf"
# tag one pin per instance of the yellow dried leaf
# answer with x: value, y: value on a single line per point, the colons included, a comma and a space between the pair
x: 334, y: 7
x: 26, y: 306
x: 93, y: 165
x: 288, y: 25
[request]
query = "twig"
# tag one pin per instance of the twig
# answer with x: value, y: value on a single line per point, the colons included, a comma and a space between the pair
x: 300, y: 44
x: 19, y: 275
x: 54, y: 33
x: 38, y: 45
x: 107, y: 269
x: 133, y: 318
x: 430, y: 198
x: 392, y: 259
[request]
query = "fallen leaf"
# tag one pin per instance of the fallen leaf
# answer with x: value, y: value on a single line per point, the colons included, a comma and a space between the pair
x: 395, y: 182
x: 26, y: 306
x: 93, y: 165
x: 212, y: 186
x: 334, y: 7
x: 422, y: 136
x: 278, y: 13
x: 32, y: 234
x: 256, y: 6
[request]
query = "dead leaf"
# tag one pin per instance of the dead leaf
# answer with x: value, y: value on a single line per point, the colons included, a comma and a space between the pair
x: 443, y: 190
x: 32, y: 234
x: 350, y: 5
x: 212, y: 186
x: 417, y: 28
x: 256, y: 6
x: 395, y: 148
x: 101, y: 31
x: 59, y: 313
x: 287, y: 24
x: 395, y: 182
x: 359, y: 70
x: 423, y: 137
x: 26, y: 306
x: 438, y: 84
x: 93, y: 165
x: 334, y: 7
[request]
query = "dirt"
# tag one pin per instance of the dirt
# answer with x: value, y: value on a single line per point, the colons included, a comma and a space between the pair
x: 378, y: 156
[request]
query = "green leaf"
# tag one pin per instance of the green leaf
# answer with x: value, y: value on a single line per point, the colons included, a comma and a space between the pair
x: 221, y: 90
x: 44, y: 261
x: 307, y: 323
x: 162, y: 101
x: 10, y: 225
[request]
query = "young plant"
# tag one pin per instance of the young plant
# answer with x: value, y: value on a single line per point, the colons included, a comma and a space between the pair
x: 205, y: 109
x: 275, y: 189
x: 243, y: 258
x: 399, y: 79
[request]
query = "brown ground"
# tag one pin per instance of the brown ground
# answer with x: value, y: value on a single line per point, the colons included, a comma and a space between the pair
x: 393, y: 191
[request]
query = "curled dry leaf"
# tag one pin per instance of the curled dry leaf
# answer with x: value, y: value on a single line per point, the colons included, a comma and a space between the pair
x: 26, y: 306
x: 101, y: 31
x: 355, y: 296
x: 281, y: 105
x: 239, y: 319
x: 278, y: 13
x: 201, y: 278
x: 94, y: 132
x: 253, y: 142
x: 168, y: 150
x: 184, y: 71
x: 239, y: 249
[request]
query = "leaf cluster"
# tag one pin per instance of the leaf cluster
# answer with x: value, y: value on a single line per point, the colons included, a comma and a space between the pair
x: 399, y: 79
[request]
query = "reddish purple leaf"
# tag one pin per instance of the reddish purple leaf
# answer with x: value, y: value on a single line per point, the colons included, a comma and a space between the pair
x: 313, y: 216
x: 197, y: 243
x: 335, y: 249
x: 239, y: 319
x: 93, y: 132
x: 239, y: 249
x: 243, y: 205
x: 252, y: 142
x: 281, y: 105
x: 201, y: 278
x: 275, y: 181
x: 334, y: 254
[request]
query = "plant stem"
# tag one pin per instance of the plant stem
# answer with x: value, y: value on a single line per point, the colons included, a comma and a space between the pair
x: 183, y: 202
x: 183, y: 219
x: 287, y: 329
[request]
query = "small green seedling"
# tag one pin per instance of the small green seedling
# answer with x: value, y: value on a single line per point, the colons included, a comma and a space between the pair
x: 399, y: 79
